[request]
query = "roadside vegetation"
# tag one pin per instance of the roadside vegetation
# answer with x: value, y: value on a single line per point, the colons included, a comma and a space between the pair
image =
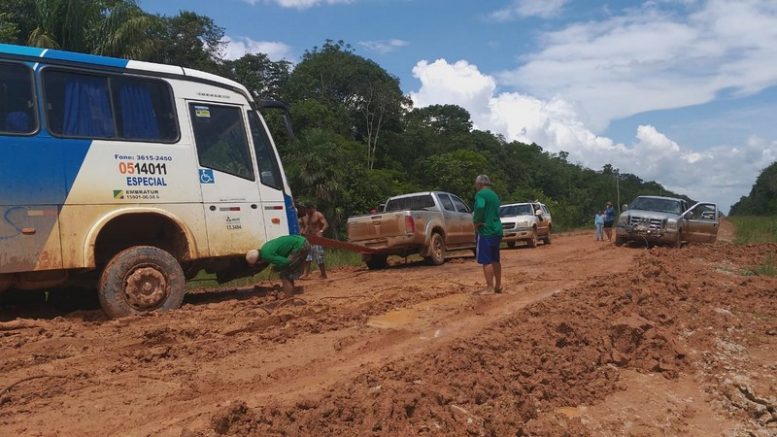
x: 755, y: 230
x: 755, y: 218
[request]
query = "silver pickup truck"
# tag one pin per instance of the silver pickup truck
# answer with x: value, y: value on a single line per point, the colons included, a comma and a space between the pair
x: 654, y: 219
x: 428, y: 223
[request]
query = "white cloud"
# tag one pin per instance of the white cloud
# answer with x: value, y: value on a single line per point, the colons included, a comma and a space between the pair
x: 721, y: 173
x: 298, y: 4
x: 384, y: 46
x: 238, y: 47
x: 651, y: 58
x: 529, y: 8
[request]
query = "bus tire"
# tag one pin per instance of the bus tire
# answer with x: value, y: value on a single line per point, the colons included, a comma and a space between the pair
x: 139, y: 280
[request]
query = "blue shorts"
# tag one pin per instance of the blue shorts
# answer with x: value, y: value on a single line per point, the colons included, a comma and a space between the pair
x: 488, y: 249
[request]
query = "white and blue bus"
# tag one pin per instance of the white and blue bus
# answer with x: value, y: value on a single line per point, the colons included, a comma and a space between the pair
x: 130, y: 177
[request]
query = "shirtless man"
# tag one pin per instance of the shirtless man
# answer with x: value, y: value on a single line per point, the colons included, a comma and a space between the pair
x: 314, y: 223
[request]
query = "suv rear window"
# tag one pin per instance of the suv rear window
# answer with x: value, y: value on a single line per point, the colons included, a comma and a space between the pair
x: 412, y: 203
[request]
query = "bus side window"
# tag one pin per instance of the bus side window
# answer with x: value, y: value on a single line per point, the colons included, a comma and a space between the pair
x: 144, y: 109
x: 78, y: 105
x: 17, y: 104
x: 269, y: 170
x: 220, y: 136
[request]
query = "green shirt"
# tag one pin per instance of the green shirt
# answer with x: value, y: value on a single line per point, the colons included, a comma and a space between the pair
x: 277, y: 251
x: 486, y: 215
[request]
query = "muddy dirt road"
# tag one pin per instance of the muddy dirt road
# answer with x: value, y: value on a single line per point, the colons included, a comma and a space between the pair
x: 588, y: 339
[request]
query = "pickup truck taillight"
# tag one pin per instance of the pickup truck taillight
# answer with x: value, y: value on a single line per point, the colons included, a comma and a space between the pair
x: 409, y: 224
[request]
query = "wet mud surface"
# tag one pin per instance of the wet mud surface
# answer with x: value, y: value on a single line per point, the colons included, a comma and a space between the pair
x: 588, y: 339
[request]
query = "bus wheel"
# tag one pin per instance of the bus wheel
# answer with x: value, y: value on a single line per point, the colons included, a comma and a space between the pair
x: 141, y: 279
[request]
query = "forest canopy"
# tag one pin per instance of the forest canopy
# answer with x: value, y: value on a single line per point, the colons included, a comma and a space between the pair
x: 358, y: 138
x: 762, y: 199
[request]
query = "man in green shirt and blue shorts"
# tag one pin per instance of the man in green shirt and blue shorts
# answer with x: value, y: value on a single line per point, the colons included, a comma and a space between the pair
x: 488, y: 227
x: 286, y: 254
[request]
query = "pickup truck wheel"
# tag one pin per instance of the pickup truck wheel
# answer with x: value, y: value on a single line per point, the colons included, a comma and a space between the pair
x: 546, y: 240
x: 436, y: 250
x: 511, y: 244
x: 620, y: 241
x: 376, y: 262
x: 533, y: 241
x: 139, y: 280
x: 678, y: 240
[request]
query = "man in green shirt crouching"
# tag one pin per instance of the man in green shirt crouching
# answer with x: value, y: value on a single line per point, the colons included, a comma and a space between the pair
x: 286, y: 254
x: 488, y: 228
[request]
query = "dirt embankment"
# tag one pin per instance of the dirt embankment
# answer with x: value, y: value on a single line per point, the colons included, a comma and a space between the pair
x: 588, y: 340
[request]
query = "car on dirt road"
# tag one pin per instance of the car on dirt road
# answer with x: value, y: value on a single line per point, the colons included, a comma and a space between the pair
x: 527, y: 222
x: 667, y: 220
x: 427, y: 223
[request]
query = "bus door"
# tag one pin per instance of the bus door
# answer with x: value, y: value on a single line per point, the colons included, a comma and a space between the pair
x: 233, y: 208
x: 270, y: 180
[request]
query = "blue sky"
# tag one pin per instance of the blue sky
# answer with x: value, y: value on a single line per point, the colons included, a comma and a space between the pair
x: 679, y: 91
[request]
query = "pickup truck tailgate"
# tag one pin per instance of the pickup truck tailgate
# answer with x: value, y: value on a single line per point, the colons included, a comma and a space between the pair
x: 372, y: 227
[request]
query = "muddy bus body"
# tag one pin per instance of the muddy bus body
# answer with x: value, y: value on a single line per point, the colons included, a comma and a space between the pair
x: 129, y: 176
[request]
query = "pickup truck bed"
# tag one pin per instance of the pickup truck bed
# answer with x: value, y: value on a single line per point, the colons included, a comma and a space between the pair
x: 432, y: 224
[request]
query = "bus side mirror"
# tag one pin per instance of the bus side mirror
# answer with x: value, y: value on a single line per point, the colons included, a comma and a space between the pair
x: 280, y: 106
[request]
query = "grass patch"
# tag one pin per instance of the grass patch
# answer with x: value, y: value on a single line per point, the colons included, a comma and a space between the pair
x: 767, y: 268
x: 333, y: 258
x: 753, y: 230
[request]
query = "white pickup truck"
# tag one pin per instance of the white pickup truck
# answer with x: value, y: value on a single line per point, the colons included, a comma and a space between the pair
x: 427, y: 223
x: 528, y: 222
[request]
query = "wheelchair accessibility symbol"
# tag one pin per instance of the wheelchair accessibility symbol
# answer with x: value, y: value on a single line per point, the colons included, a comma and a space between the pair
x: 206, y: 176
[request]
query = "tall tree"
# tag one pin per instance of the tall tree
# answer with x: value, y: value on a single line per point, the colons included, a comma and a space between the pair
x: 263, y: 77
x: 189, y: 40
x: 334, y: 75
x: 106, y: 27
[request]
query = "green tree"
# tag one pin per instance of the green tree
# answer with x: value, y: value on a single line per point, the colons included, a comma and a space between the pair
x: 453, y: 172
x: 263, y: 77
x: 762, y: 199
x: 189, y: 40
x: 347, y: 83
x: 105, y: 27
x: 9, y: 31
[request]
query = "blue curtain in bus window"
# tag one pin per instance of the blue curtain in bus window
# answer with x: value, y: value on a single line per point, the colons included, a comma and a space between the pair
x: 87, y: 108
x: 138, y: 118
x: 17, y: 122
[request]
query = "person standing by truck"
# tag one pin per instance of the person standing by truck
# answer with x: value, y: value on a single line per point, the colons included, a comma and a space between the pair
x: 599, y: 223
x: 314, y: 224
x: 609, y: 220
x: 286, y: 254
x: 488, y: 227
